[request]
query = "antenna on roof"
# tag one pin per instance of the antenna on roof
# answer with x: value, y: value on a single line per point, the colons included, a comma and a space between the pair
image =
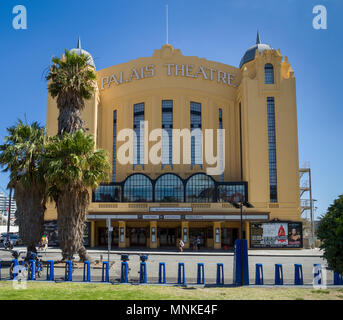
x: 167, y: 24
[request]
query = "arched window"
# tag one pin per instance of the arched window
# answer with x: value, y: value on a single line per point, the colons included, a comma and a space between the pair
x: 200, y: 188
x: 169, y: 188
x: 138, y: 188
x: 268, y: 74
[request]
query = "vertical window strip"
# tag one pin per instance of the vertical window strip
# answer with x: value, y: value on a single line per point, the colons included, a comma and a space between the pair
x: 272, y: 149
x: 268, y: 74
x: 138, y: 127
x: 167, y: 125
x: 196, y: 152
x: 221, y: 145
x: 114, y: 145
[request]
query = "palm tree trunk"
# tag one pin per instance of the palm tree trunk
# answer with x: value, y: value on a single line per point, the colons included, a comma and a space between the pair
x: 71, y: 208
x: 30, y: 213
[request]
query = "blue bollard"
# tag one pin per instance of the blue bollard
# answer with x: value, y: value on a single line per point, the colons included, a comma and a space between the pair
x: 142, y: 273
x: 15, y: 268
x: 259, y: 274
x: 241, y: 257
x: 86, y: 271
x: 68, y: 271
x: 50, y: 271
x: 298, y: 274
x: 220, y: 274
x: 278, y: 274
x: 124, y: 272
x: 181, y: 275
x: 201, y: 274
x: 162, y: 274
x: 317, y: 274
x: 337, y: 279
x: 32, y: 275
x: 105, y: 276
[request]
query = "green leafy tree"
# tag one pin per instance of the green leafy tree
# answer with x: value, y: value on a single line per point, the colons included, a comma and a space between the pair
x: 73, y: 168
x: 330, y: 232
x: 71, y: 81
x: 21, y: 156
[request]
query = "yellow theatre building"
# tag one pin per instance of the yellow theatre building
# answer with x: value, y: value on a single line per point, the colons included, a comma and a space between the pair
x: 248, y: 112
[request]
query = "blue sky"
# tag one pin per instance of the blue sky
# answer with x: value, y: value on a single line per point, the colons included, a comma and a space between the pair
x: 219, y: 30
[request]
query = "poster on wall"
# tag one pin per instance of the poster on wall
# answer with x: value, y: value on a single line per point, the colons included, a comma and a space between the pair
x: 276, y: 235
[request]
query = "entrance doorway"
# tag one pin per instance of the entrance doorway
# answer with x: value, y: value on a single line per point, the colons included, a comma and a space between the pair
x: 167, y: 237
x: 138, y: 236
x: 198, y: 232
x: 229, y: 235
x: 103, y: 237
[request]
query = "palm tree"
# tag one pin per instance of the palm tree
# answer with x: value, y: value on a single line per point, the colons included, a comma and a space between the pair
x: 73, y: 167
x: 21, y: 156
x: 72, y: 81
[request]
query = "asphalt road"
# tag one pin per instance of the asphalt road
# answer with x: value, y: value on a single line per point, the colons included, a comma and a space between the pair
x: 190, y: 260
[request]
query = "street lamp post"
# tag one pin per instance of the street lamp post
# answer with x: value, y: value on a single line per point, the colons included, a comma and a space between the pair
x: 9, y: 216
x: 240, y: 205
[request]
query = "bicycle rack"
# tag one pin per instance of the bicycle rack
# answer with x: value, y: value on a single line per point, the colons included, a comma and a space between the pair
x: 50, y: 270
x: 162, y: 274
x: 317, y: 274
x: 32, y: 270
x: 86, y: 271
x: 298, y: 274
x: 105, y: 274
x: 278, y: 274
x: 15, y: 268
x: 259, y: 274
x: 201, y: 274
x: 142, y: 273
x: 68, y: 271
x: 124, y: 272
x: 181, y: 275
x: 220, y: 274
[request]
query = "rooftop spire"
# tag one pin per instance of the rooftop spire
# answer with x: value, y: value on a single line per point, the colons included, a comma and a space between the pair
x: 258, y: 40
x: 79, y: 43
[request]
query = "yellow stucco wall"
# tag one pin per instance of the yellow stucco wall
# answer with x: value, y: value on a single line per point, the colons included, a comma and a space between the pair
x: 246, y: 88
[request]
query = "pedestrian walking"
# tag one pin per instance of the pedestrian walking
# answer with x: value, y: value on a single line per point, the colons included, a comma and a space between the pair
x: 181, y: 245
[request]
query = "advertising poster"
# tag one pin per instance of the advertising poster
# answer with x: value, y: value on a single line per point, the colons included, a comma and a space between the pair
x: 276, y: 235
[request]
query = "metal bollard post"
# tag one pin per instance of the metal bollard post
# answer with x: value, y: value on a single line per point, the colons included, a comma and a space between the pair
x: 15, y: 268
x: 201, y: 274
x: 278, y: 274
x: 105, y: 277
x: 181, y: 275
x: 220, y: 274
x: 259, y: 274
x: 50, y: 271
x: 124, y: 272
x: 162, y: 275
x: 142, y: 273
x: 317, y: 274
x: 298, y: 274
x: 32, y: 274
x: 68, y: 271
x: 86, y: 271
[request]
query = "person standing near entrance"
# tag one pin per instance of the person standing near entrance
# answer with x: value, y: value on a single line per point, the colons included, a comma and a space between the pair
x: 198, y: 243
x: 181, y: 245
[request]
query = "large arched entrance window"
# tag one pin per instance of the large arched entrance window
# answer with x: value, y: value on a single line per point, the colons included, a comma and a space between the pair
x: 169, y: 188
x: 138, y: 188
x: 200, y: 188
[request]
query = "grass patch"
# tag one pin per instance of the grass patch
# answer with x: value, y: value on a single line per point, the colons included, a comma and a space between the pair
x: 80, y: 291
